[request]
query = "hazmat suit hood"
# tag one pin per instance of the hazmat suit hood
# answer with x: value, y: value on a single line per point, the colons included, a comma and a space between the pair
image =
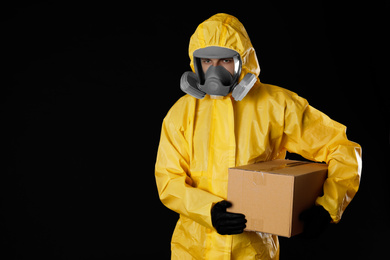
x: 224, y: 30
x: 221, y: 33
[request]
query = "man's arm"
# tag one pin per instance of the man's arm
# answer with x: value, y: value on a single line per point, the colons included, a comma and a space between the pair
x: 174, y: 184
x: 315, y: 136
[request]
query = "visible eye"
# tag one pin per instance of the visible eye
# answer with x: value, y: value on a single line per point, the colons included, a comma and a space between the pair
x: 206, y: 61
x: 227, y: 60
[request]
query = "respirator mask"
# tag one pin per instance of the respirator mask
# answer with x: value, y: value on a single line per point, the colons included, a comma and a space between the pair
x: 217, y: 81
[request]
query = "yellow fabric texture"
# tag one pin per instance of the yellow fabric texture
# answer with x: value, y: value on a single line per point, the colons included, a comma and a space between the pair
x: 201, y: 139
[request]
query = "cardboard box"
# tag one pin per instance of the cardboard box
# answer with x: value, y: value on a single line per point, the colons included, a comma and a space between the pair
x: 273, y: 194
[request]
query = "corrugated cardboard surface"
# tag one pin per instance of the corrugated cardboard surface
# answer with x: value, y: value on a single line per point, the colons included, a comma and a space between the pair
x: 273, y: 194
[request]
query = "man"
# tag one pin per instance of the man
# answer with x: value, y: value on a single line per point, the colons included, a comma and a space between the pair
x: 230, y: 119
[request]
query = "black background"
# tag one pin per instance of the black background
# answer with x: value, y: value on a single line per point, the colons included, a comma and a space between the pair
x: 87, y: 86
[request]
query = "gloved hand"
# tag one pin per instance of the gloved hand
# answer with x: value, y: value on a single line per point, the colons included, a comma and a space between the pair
x: 227, y: 223
x: 316, y: 219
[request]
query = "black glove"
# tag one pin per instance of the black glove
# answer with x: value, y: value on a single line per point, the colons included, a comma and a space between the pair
x: 227, y: 223
x: 316, y: 219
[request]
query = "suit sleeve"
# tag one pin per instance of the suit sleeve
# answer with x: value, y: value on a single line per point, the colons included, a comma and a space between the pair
x: 173, y: 181
x: 315, y: 136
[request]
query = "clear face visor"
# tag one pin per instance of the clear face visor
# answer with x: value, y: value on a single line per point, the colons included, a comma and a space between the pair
x: 214, y: 52
x: 217, y: 81
x: 201, y: 74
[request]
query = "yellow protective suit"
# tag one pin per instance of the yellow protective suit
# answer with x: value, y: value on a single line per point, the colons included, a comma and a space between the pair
x: 201, y: 139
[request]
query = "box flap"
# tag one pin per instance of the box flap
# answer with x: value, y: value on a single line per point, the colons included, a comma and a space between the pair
x: 281, y: 166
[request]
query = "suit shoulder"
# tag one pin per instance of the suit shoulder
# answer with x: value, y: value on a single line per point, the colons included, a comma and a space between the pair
x: 276, y: 91
x: 181, y: 110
